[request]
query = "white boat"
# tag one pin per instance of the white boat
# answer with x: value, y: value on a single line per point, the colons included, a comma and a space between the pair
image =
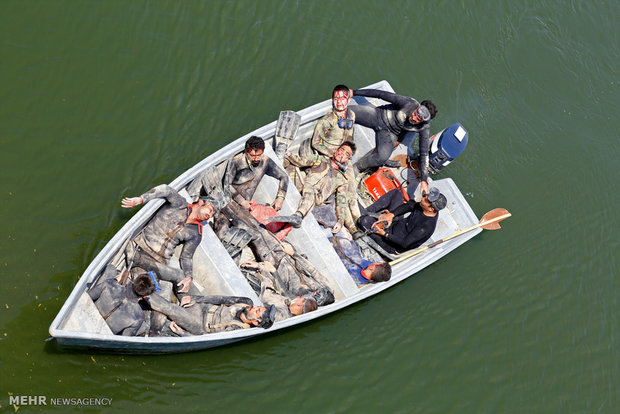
x: 79, y: 324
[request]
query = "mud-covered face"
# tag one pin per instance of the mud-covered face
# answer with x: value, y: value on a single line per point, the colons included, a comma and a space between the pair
x: 254, y: 314
x: 205, y: 212
x: 254, y: 156
x: 297, y: 305
x: 343, y: 154
x: 340, y: 100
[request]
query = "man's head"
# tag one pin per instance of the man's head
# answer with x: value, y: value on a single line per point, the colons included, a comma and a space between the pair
x: 378, y: 272
x: 259, y: 316
x: 204, y: 211
x: 143, y: 285
x: 423, y: 112
x: 302, y: 304
x: 254, y: 148
x: 344, y: 153
x: 434, y: 200
x: 340, y: 98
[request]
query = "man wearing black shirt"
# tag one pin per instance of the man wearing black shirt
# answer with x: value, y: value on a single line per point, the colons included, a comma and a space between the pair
x: 397, y: 233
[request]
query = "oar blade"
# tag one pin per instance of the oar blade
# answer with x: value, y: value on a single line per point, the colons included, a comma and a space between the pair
x: 494, y: 217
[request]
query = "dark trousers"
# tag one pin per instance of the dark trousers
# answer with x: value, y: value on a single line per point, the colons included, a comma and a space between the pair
x: 384, y: 139
x: 388, y: 201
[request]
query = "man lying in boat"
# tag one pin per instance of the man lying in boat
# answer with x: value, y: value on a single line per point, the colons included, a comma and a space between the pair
x: 327, y: 178
x: 331, y: 131
x: 361, y: 270
x: 208, y: 314
x: 175, y: 223
x: 395, y: 232
x: 261, y: 276
x: 120, y: 305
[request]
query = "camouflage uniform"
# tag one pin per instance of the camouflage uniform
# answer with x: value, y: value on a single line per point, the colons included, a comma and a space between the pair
x: 328, y: 136
x: 326, y: 139
x: 327, y: 178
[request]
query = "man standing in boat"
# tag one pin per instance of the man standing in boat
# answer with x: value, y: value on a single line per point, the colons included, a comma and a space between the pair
x: 176, y: 223
x: 334, y: 176
x: 396, y: 233
x: 391, y: 123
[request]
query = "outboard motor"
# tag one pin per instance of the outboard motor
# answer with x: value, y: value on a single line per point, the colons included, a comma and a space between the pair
x: 445, y: 146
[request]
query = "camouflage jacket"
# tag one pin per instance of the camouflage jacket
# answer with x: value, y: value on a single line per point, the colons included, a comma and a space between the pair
x: 328, y: 136
x: 322, y: 181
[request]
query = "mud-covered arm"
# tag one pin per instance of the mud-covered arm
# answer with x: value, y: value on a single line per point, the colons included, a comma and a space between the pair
x: 186, y: 259
x: 164, y: 191
x: 273, y: 170
x: 229, y: 176
x: 386, y: 96
x: 222, y: 300
x: 307, y: 161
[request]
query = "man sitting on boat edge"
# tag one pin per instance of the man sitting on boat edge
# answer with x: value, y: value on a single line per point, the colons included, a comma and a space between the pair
x: 394, y: 232
x: 176, y: 222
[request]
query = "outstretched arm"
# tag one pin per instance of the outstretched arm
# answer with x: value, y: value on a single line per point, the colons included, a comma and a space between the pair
x: 161, y: 191
x: 386, y: 96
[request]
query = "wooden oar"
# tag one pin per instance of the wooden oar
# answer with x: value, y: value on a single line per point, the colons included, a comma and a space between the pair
x: 490, y: 221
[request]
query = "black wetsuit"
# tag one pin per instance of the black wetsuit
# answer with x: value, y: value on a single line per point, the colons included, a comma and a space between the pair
x: 390, y: 123
x: 405, y: 233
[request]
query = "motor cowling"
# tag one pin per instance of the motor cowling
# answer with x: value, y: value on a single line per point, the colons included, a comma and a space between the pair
x: 445, y: 146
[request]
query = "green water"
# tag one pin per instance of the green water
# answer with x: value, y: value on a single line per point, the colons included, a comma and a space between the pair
x: 102, y: 99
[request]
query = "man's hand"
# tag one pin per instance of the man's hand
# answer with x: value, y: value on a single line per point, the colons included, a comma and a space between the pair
x: 176, y: 328
x: 277, y: 203
x: 186, y: 283
x: 337, y: 227
x: 288, y: 249
x: 423, y: 188
x: 129, y: 202
x: 246, y: 204
x: 387, y: 217
x: 186, y: 302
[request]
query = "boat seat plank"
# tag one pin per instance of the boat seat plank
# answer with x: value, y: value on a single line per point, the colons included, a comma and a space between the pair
x: 316, y: 246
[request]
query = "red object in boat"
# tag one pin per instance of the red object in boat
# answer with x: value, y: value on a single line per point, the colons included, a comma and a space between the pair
x: 261, y: 213
x: 382, y: 182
